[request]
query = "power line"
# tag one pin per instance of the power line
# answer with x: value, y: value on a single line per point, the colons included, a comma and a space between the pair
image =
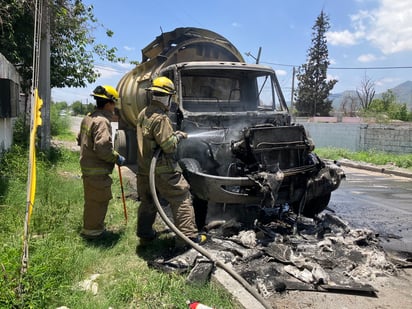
x: 279, y: 64
x: 370, y: 68
x: 348, y: 68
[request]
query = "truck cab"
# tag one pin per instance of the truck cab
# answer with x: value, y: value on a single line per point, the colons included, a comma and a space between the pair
x: 242, y: 148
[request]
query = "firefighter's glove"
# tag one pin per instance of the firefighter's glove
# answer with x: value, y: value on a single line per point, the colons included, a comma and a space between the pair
x: 120, y: 160
x: 180, y: 135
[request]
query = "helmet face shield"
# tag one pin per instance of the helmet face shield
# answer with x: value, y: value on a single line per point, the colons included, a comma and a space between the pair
x: 165, y: 99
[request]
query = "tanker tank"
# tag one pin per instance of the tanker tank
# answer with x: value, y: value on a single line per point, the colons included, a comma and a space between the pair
x: 179, y: 45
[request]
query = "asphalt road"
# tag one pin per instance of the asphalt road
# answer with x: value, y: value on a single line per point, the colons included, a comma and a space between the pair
x: 377, y: 201
x: 75, y: 122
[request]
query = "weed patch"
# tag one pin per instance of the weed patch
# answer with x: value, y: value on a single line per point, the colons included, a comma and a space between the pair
x: 374, y: 157
x: 59, y: 259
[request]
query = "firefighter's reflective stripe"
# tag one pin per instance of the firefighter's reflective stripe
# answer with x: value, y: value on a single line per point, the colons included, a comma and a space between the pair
x: 169, y: 145
x: 95, y: 171
x: 85, y: 130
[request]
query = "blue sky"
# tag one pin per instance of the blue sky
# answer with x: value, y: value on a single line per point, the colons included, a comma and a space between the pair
x: 363, y: 34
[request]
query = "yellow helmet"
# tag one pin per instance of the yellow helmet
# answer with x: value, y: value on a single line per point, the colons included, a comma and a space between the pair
x: 162, y: 84
x: 106, y: 92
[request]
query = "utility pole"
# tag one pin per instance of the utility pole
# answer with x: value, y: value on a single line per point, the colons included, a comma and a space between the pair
x: 44, y: 76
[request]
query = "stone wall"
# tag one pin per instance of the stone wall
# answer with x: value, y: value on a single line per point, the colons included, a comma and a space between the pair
x: 395, y: 138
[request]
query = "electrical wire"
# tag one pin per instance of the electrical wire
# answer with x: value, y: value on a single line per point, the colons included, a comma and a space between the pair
x: 346, y: 68
x: 35, y: 103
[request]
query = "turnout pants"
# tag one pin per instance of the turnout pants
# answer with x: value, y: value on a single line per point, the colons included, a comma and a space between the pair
x: 174, y: 188
x: 97, y: 194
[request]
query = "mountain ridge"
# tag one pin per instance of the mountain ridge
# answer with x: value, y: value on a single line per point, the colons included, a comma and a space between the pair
x: 402, y: 92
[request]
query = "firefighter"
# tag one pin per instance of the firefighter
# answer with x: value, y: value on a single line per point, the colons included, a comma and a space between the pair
x: 154, y: 129
x: 97, y: 159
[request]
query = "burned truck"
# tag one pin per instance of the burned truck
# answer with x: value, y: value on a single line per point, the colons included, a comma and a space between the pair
x: 242, y: 148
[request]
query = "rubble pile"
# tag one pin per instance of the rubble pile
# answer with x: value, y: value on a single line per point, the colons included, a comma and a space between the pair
x: 324, y: 254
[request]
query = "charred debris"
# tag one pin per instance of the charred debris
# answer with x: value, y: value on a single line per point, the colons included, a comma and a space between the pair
x: 281, y: 252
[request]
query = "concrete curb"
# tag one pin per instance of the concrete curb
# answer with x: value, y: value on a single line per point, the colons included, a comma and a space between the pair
x: 243, y: 299
x: 374, y: 168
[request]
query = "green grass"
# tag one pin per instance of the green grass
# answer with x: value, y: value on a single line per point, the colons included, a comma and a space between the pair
x: 59, y: 258
x: 374, y: 157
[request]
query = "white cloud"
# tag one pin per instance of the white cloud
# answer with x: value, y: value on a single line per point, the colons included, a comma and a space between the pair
x: 128, y: 48
x: 386, y: 83
x: 126, y: 66
x: 391, y: 30
x: 345, y: 38
x: 368, y: 58
x: 281, y: 72
x: 113, y: 70
x: 236, y: 24
x: 110, y: 75
x: 388, y: 27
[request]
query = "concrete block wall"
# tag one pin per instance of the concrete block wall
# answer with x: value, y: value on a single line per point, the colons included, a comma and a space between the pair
x: 392, y: 138
x: 338, y: 135
x: 388, y: 138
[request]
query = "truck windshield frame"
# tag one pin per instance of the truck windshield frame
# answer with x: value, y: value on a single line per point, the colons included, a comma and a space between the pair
x: 225, y: 90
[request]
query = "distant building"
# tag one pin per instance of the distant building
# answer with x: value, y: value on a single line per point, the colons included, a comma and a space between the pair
x: 9, y: 101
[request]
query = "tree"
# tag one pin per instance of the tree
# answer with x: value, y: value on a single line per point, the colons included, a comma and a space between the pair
x: 366, y: 92
x: 313, y: 87
x: 67, y: 45
x: 73, y: 48
x: 82, y: 109
x: 16, y: 36
x: 389, y: 107
x: 60, y: 106
x: 349, y: 105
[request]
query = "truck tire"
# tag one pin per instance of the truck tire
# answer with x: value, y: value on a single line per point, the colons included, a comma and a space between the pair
x: 131, y: 146
x: 314, y: 206
x: 189, y: 164
x: 125, y: 143
x: 120, y: 143
x: 199, y: 205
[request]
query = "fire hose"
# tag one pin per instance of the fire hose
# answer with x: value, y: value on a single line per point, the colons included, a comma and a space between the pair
x: 195, y: 246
